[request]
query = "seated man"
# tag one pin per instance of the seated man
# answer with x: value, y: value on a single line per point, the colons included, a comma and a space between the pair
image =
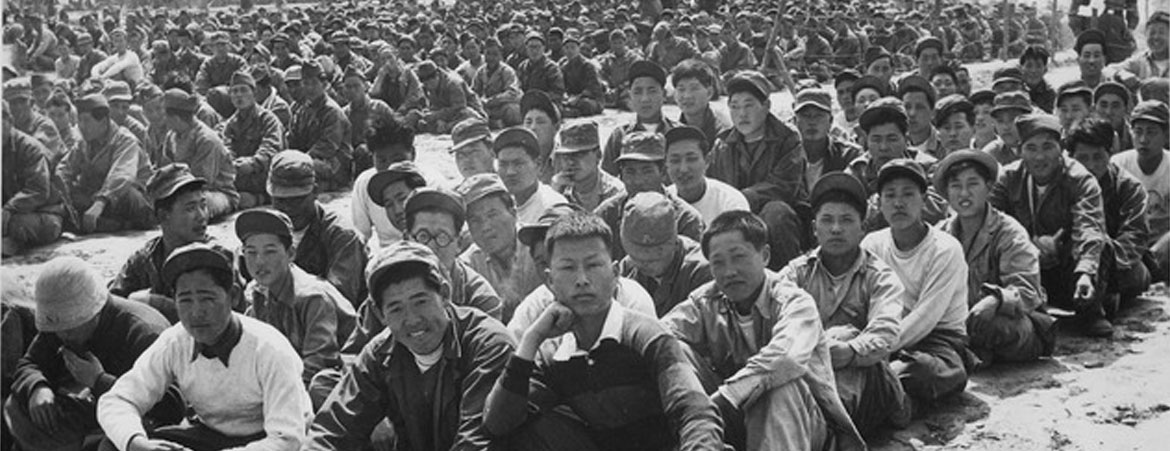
x: 238, y: 375
x: 686, y: 165
x: 87, y: 339
x: 1123, y: 274
x: 624, y: 378
x: 1059, y: 202
x: 645, y: 86
x: 433, y: 217
x: 471, y: 145
x: 253, y: 135
x: 954, y: 118
x: 33, y: 214
x: 449, y: 100
x: 584, y: 92
x: 320, y: 129
x: 324, y: 246
x: 884, y: 126
x: 581, y: 179
x: 433, y: 357
x: 759, y: 346
x: 929, y: 354
x: 694, y: 88
x: 390, y: 144
x: 860, y: 303
x: 628, y: 293
x: 517, y: 158
x: 499, y: 87
x: 1007, y: 107
x: 1074, y: 102
x: 667, y: 265
x: 103, y: 177
x: 1004, y: 295
x: 198, y: 146
x: 1149, y: 162
x: 364, y: 113
x: 314, y: 316
x: 180, y: 207
x: 826, y: 151
x: 762, y: 157
x: 642, y: 168
x: 497, y: 254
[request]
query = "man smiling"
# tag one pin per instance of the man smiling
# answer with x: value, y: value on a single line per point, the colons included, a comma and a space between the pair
x: 1059, y: 202
x: 240, y: 376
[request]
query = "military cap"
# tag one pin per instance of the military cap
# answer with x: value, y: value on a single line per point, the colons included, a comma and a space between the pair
x: 982, y: 96
x: 874, y: 53
x: 649, y: 219
x: 426, y: 70
x: 531, y: 234
x: 845, y: 75
x: 1157, y: 17
x: 1033, y: 124
x: 927, y: 42
x: 643, y: 146
x: 917, y: 83
x: 388, y: 259
x: 1112, y: 87
x: 871, y: 82
x: 949, y: 105
x: 517, y: 137
x: 291, y: 174
x: 579, y: 137
x: 1035, y: 52
x: 194, y: 256
x: 1012, y: 100
x: 469, y: 131
x: 964, y: 156
x: 646, y: 68
x: 838, y: 181
x: 1007, y: 74
x: 294, y: 73
x: 169, y: 179
x: 534, y: 35
x: 480, y: 186
x: 685, y: 133
x: 178, y: 99
x: 242, y: 77
x: 263, y: 220
x: 1074, y: 88
x: 406, y: 171
x: 816, y: 98
x: 434, y: 197
x: 883, y: 110
x: 18, y: 88
x: 1154, y: 111
x: 751, y: 82
x: 91, y: 102
x: 902, y: 168
x: 312, y: 69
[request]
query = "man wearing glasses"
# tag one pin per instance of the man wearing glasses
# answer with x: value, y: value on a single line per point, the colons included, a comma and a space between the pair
x: 434, y: 217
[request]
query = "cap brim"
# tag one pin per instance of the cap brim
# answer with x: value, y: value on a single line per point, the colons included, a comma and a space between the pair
x: 803, y: 105
x: 379, y: 182
x: 980, y: 157
x: 467, y: 142
x: 1002, y: 108
x: 198, y: 258
x: 740, y: 85
x: 179, y: 185
x: 288, y: 191
x: 563, y: 149
x: 886, y: 175
x: 1150, y: 118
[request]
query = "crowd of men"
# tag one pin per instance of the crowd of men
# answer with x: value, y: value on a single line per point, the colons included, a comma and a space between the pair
x: 719, y: 279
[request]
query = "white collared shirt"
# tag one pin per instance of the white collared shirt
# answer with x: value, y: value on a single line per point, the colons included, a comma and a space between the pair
x: 612, y: 328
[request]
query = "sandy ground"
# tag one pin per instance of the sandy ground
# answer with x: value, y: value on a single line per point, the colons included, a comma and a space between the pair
x: 1093, y: 395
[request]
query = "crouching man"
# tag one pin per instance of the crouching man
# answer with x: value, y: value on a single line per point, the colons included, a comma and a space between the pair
x: 760, y: 346
x: 240, y: 377
x: 428, y: 372
x: 624, y: 378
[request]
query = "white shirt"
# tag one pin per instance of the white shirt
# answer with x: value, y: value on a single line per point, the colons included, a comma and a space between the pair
x: 719, y: 197
x: 260, y: 390
x: 369, y: 217
x: 125, y: 64
x: 544, y: 197
x: 934, y: 275
x: 567, y: 348
x: 629, y: 294
x: 1157, y: 187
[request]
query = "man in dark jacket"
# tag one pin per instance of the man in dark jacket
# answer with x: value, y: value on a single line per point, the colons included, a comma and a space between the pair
x: 88, y: 338
x: 33, y: 214
x: 429, y: 372
x: 1059, y: 202
x: 1124, y: 200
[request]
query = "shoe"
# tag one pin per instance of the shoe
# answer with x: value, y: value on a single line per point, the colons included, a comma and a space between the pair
x: 1098, y: 327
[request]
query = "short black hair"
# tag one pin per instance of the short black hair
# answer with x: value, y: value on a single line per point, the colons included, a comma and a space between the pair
x: 693, y: 68
x: 945, y: 70
x: 579, y: 225
x: 99, y: 113
x: 1093, y: 131
x: 390, y: 133
x: 403, y: 272
x: 432, y: 209
x: 753, y: 229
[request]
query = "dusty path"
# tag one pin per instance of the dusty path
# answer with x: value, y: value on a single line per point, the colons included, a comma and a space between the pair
x: 1094, y: 395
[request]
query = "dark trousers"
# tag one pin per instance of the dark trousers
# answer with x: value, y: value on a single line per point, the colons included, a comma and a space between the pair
x: 196, y: 437
x: 934, y: 367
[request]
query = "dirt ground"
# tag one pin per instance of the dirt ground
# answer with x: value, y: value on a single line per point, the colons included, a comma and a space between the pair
x: 1093, y: 395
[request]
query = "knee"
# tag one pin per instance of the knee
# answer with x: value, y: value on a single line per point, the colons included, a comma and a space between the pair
x: 35, y: 228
